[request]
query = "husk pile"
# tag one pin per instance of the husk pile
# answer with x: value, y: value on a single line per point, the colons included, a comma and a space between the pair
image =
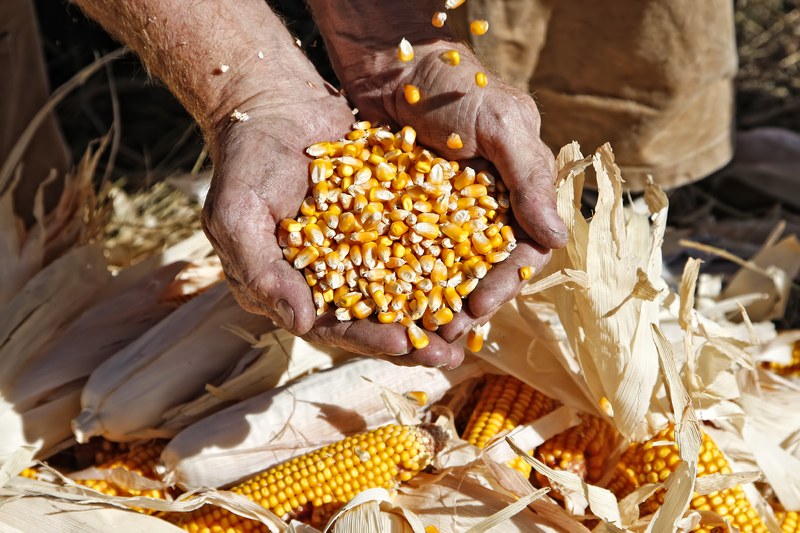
x: 161, y: 350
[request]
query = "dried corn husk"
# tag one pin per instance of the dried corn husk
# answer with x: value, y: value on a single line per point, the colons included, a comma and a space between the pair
x: 270, y: 428
x: 284, y: 358
x: 167, y: 366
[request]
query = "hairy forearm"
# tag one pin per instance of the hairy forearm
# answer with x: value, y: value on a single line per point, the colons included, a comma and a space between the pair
x: 205, y: 51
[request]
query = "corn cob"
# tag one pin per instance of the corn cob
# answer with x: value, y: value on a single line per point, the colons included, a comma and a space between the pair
x: 140, y: 460
x: 788, y: 521
x: 651, y: 464
x: 312, y: 487
x: 504, y: 403
x: 391, y: 229
x: 582, y: 450
x: 623, y: 480
x: 793, y: 368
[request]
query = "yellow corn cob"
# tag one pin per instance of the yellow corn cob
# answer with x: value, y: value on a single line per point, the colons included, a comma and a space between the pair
x: 140, y: 460
x: 400, y: 198
x: 793, y: 368
x: 788, y: 521
x: 623, y: 480
x: 312, y: 487
x: 582, y: 450
x: 652, y: 464
x: 504, y: 403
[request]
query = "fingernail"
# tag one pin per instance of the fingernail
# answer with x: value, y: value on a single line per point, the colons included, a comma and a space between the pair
x: 287, y: 314
x: 555, y: 223
x: 401, y: 353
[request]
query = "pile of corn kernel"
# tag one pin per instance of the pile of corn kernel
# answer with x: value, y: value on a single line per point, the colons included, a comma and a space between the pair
x: 392, y: 229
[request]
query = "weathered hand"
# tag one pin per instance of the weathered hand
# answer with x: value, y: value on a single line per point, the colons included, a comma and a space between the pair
x: 261, y: 177
x: 499, y: 127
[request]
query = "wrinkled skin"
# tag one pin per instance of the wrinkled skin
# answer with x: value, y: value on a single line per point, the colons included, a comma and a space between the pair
x: 261, y: 177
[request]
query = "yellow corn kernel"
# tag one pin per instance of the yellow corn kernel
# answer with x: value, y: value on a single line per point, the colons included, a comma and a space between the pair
x: 318, y: 149
x: 417, y: 337
x: 475, y: 339
x: 453, y: 299
x: 308, y: 208
x: 451, y: 57
x: 508, y: 233
x: 407, y: 202
x: 417, y: 397
x: 347, y: 222
x: 427, y: 230
x: 455, y: 232
x: 307, y: 255
x: 448, y: 257
x: 364, y: 236
x: 401, y: 181
x: 439, y: 272
x: 438, y: 19
x: 328, y: 295
x: 436, y: 298
x: 481, y: 243
x: 442, y: 316
x: 479, y: 27
x: 476, y: 190
x: 492, y: 413
x: 465, y: 203
x: 290, y: 252
x: 454, y: 141
x: 427, y: 321
x: 496, y: 257
x: 291, y: 225
x: 428, y: 218
x: 465, y: 179
x: 387, y: 317
x: 349, y: 299
x: 464, y: 249
x: 398, y: 228
x: 497, y: 241
x: 406, y: 273
x: 380, y: 300
x: 405, y: 52
x: 481, y: 80
x: 354, y: 135
x: 467, y: 287
x: 424, y: 164
x: 363, y: 308
x: 408, y: 138
x: 525, y: 273
x: 385, y: 173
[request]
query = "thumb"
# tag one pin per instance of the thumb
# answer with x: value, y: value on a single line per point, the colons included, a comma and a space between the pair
x: 528, y: 169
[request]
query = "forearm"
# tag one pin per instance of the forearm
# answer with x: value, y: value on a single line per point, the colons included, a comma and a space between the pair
x: 206, y: 51
x: 362, y: 35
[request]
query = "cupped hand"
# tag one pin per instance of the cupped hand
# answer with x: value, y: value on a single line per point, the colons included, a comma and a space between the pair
x: 261, y: 177
x: 498, y: 124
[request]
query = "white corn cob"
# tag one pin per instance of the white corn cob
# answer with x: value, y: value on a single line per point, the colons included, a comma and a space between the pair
x: 45, y: 395
x: 270, y: 428
x: 167, y: 366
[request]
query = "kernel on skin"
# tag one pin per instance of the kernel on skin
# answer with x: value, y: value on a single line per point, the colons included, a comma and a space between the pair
x: 454, y: 141
x: 481, y: 80
x: 411, y: 93
x: 405, y: 52
x: 451, y: 57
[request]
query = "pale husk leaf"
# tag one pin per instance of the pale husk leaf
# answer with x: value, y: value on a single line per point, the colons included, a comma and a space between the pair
x: 167, y: 366
x: 602, y: 502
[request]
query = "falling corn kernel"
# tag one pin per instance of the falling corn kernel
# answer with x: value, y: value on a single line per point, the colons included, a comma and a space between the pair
x: 454, y: 141
x: 411, y: 94
x: 438, y: 19
x: 431, y: 529
x: 479, y: 27
x: 417, y: 397
x: 452, y: 4
x: 475, y: 339
x: 525, y: 273
x: 450, y: 57
x: 405, y: 52
x: 606, y: 406
x: 480, y: 79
